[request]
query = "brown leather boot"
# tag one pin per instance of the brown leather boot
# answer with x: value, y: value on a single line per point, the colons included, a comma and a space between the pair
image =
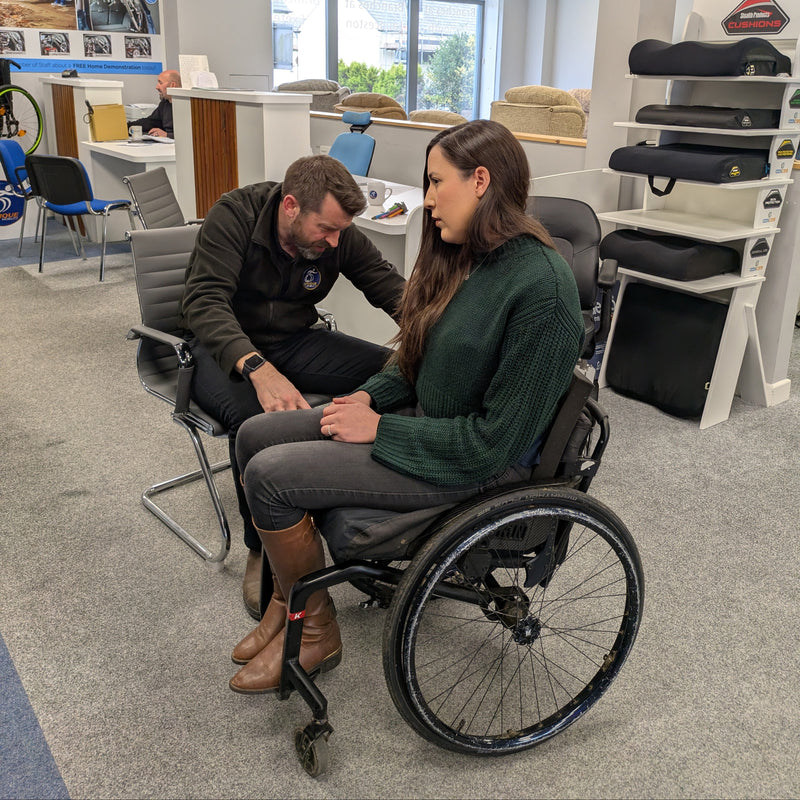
x: 293, y: 553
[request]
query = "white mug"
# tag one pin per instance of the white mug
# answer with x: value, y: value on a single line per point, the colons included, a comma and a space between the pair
x: 377, y: 193
x: 136, y: 133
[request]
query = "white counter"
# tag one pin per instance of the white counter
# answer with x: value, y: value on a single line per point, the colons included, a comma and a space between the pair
x: 398, y: 239
x: 235, y: 138
x: 107, y: 164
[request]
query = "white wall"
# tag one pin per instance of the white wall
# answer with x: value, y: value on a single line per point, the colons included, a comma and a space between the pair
x: 236, y: 37
x: 547, y: 43
x: 572, y: 57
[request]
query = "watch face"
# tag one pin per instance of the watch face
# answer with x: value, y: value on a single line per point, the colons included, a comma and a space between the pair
x: 253, y: 363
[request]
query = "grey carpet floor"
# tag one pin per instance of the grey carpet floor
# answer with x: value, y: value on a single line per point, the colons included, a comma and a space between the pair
x: 121, y: 636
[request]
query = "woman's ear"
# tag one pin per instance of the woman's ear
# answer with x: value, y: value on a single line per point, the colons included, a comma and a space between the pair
x: 482, y: 180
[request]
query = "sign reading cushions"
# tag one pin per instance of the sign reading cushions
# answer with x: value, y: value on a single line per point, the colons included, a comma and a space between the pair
x: 755, y: 16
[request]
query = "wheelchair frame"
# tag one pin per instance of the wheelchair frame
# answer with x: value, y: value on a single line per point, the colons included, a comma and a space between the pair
x: 527, y: 528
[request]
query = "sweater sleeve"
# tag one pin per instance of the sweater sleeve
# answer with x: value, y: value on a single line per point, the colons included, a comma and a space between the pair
x: 389, y: 390
x: 212, y: 279
x: 537, y: 354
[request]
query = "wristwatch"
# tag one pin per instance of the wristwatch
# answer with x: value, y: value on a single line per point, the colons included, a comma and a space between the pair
x: 252, y: 363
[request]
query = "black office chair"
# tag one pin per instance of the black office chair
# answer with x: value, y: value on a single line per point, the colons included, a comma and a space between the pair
x: 154, y: 200
x: 165, y: 366
x: 62, y: 185
x: 576, y: 232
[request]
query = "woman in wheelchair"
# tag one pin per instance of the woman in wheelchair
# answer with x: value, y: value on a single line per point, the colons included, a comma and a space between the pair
x: 490, y: 331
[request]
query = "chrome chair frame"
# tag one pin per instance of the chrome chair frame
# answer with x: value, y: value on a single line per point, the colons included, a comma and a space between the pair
x: 166, y: 365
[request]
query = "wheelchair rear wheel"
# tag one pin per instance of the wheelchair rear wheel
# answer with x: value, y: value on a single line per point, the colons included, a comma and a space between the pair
x: 512, y: 621
x: 20, y: 117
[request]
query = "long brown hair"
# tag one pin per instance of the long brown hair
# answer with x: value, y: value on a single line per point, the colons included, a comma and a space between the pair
x: 441, y: 267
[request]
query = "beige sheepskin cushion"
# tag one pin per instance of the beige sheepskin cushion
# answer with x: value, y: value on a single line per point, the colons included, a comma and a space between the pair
x: 436, y: 116
x: 540, y: 96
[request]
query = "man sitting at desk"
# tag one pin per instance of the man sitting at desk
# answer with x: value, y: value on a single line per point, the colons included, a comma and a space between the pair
x: 265, y: 256
x: 159, y: 123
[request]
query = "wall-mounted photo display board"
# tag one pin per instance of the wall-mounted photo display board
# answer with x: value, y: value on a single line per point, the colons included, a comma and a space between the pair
x: 115, y: 37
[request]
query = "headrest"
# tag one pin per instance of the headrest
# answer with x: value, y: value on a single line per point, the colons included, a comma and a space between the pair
x: 356, y: 117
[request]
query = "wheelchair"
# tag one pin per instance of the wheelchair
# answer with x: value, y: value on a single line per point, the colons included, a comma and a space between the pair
x: 509, y: 615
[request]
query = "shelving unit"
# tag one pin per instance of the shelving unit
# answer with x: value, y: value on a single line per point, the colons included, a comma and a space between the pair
x: 743, y: 215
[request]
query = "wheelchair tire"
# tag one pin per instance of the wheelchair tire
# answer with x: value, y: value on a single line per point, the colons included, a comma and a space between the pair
x: 496, y: 666
x: 20, y: 117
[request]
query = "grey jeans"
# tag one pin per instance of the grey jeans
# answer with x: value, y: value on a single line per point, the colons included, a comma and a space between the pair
x: 289, y: 468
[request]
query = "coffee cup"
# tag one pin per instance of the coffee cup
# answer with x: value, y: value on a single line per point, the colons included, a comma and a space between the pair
x: 378, y: 193
x: 135, y: 132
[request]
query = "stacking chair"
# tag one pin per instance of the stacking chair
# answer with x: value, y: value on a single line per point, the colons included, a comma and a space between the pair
x: 154, y: 200
x: 576, y: 233
x: 12, y: 157
x: 354, y: 149
x: 62, y: 186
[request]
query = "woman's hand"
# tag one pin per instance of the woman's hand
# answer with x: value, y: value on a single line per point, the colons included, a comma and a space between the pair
x: 350, y: 419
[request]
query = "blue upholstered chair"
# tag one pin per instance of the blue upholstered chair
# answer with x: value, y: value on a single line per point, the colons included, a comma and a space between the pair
x: 12, y: 157
x: 63, y: 187
x: 354, y: 149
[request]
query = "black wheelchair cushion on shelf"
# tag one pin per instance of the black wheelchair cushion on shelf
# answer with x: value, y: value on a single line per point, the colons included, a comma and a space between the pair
x: 750, y: 56
x: 709, y: 117
x: 674, y: 257
x: 693, y: 162
x: 664, y: 348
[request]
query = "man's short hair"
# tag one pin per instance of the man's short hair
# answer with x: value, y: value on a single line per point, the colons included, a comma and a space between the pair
x: 309, y: 179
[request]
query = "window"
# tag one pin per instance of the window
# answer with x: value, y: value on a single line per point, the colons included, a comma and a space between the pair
x: 368, y: 46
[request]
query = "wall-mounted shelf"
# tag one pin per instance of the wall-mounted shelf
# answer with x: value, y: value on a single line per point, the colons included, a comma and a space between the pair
x: 681, y: 223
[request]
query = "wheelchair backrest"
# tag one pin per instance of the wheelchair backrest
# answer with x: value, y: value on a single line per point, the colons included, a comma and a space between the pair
x: 565, y: 451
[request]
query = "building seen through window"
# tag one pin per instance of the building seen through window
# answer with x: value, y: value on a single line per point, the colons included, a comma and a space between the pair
x: 368, y: 45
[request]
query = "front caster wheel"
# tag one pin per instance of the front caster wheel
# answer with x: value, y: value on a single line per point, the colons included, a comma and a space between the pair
x: 312, y: 750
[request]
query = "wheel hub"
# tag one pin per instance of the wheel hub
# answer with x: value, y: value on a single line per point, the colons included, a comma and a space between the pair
x: 527, y: 630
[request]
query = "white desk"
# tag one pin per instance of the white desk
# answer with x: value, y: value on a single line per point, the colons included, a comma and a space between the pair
x: 108, y: 162
x: 398, y: 239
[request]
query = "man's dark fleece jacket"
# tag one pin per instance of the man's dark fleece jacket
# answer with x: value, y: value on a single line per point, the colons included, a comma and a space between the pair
x: 243, y: 291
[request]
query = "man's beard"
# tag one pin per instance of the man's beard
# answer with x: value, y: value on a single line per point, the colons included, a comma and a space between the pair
x: 304, y: 247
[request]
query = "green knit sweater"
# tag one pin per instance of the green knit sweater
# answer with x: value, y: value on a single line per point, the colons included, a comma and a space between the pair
x: 495, y: 366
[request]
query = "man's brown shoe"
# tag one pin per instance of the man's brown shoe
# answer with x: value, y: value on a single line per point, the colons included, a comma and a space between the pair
x: 251, y: 586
